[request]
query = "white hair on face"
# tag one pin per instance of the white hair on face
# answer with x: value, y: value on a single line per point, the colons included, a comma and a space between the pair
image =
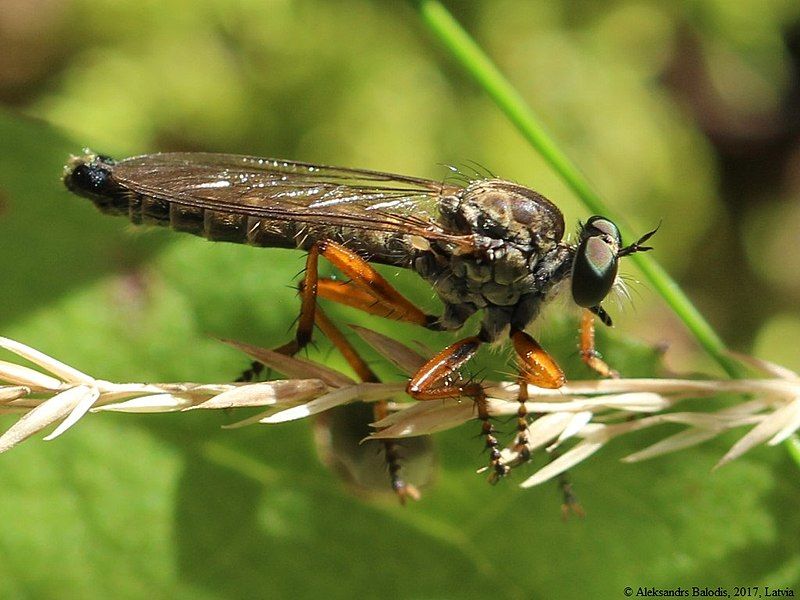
x: 621, y: 291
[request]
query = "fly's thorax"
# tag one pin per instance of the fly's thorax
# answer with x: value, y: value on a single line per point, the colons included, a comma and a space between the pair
x: 497, y: 278
x: 505, y: 212
x: 515, y: 231
x: 549, y: 272
x: 509, y: 283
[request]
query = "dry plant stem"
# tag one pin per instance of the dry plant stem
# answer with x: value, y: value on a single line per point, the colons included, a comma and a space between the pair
x: 575, y: 420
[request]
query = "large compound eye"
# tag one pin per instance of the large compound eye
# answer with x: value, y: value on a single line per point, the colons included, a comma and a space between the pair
x: 595, y: 266
x: 597, y: 225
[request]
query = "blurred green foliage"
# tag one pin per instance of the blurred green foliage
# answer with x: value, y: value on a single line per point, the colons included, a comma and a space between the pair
x: 683, y: 113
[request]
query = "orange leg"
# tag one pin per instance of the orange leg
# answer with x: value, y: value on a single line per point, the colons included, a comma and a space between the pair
x: 391, y: 453
x: 438, y: 379
x: 364, y: 275
x: 379, y: 409
x: 308, y: 305
x: 538, y: 368
x: 536, y: 365
x: 344, y: 292
x: 434, y: 379
x: 305, y: 322
x: 370, y: 292
x: 589, y: 355
x: 344, y: 347
x: 521, y: 443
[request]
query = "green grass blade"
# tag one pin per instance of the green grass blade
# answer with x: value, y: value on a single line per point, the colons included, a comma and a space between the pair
x: 489, y: 77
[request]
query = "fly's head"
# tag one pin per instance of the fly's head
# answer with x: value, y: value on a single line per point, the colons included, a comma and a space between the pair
x: 596, y: 262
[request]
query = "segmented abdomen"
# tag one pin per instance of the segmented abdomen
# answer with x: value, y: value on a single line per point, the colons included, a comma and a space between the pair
x: 220, y: 226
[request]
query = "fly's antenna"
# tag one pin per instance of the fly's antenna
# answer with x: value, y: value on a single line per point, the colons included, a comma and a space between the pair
x: 637, y: 245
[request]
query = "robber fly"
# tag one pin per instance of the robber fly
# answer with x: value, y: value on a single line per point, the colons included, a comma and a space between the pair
x: 491, y: 246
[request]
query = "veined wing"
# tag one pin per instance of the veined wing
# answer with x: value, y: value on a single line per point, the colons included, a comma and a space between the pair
x: 292, y: 191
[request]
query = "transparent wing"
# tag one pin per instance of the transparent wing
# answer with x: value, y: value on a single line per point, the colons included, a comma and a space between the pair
x: 292, y: 191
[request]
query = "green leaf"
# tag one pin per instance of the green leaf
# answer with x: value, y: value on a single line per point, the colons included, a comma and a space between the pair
x: 173, y: 506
